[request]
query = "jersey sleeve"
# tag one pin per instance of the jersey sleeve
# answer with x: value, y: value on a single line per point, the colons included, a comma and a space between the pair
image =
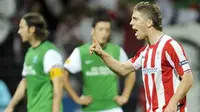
x: 23, y: 71
x: 177, y: 58
x: 123, y: 56
x: 73, y: 63
x: 137, y: 59
x: 52, y: 58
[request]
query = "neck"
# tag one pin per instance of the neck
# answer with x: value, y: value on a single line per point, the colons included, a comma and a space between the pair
x: 154, y: 36
x: 103, y: 45
x: 34, y: 42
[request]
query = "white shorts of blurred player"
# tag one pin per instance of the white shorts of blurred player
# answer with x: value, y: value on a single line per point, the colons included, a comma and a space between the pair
x: 110, y: 110
x: 113, y: 110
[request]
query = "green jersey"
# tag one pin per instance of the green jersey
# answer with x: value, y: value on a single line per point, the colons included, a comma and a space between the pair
x: 99, y: 81
x: 36, y: 71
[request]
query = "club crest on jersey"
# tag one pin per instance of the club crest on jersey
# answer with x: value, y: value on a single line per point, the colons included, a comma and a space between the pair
x: 68, y: 61
x: 35, y: 58
x: 183, y: 62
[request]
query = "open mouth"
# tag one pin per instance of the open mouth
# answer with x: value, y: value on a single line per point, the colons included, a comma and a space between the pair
x: 136, y: 31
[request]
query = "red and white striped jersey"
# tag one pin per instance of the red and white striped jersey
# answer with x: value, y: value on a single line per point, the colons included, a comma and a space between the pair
x: 162, y: 65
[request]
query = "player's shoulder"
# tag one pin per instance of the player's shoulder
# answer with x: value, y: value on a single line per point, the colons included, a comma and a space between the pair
x: 171, y: 41
x: 84, y: 45
x: 142, y: 49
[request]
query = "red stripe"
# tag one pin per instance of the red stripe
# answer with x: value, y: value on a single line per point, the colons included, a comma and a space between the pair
x: 146, y: 82
x: 175, y: 58
x: 183, y: 102
x: 167, y: 76
x: 154, y: 94
x: 147, y: 90
x: 182, y: 109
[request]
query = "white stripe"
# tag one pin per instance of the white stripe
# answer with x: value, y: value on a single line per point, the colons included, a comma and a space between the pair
x: 150, y: 80
x: 143, y: 55
x: 158, y: 75
x: 138, y: 63
x: 180, y: 54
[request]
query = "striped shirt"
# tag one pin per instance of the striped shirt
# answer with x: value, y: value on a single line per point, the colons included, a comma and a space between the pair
x: 162, y: 65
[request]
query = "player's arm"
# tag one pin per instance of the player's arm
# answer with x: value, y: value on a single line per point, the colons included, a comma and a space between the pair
x: 52, y: 65
x: 81, y: 101
x: 19, y: 94
x: 177, y: 58
x: 184, y: 86
x: 129, y: 81
x: 56, y: 75
x: 73, y: 64
x: 116, y: 66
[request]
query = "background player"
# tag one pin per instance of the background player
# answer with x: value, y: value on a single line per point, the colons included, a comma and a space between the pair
x: 100, y: 89
x: 42, y: 74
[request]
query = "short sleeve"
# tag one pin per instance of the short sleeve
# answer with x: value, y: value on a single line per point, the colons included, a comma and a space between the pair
x: 52, y: 58
x: 23, y: 71
x: 177, y: 58
x: 73, y: 63
x: 137, y: 59
x: 123, y: 57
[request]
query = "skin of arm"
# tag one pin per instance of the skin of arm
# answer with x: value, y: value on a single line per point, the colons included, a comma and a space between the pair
x: 19, y: 94
x: 183, y: 88
x: 69, y: 88
x: 57, y: 80
x: 84, y: 100
x: 129, y: 83
x: 120, y: 68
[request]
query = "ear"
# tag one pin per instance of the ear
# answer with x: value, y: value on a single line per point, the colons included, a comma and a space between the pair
x: 92, y: 32
x: 149, y: 23
x: 32, y: 29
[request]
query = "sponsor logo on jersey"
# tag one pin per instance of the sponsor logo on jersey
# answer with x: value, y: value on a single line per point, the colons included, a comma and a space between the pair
x: 35, y: 58
x: 97, y: 71
x: 68, y: 61
x: 88, y: 62
x: 29, y: 70
x: 150, y: 70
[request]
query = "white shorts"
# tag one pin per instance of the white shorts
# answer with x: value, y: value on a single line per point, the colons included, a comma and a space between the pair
x: 113, y: 110
x: 109, y: 110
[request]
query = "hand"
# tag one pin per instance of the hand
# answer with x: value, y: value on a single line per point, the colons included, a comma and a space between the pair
x: 171, y: 107
x: 95, y: 47
x: 9, y: 109
x: 85, y: 100
x: 121, y: 100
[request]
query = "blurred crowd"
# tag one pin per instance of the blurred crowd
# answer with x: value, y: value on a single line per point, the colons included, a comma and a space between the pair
x: 69, y: 23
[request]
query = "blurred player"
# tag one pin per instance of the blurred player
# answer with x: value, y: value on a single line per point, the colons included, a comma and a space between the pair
x: 42, y: 74
x: 164, y: 89
x: 100, y: 89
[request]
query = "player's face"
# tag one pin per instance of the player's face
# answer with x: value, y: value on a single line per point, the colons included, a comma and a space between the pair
x: 23, y: 31
x: 139, y: 25
x: 102, y: 32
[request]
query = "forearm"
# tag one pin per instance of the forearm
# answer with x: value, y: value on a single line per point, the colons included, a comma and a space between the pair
x: 57, y: 94
x: 129, y: 83
x: 69, y: 88
x: 19, y: 94
x: 114, y: 65
x: 183, y: 88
